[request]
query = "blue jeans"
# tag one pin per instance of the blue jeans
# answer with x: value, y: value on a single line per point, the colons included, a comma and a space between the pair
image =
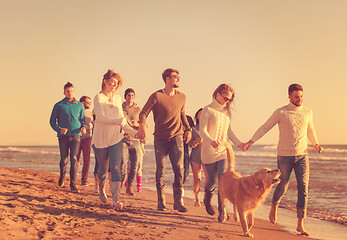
x: 132, y: 152
x: 66, y: 144
x: 214, y: 171
x: 109, y: 157
x: 186, y: 160
x: 300, y: 164
x: 174, y: 149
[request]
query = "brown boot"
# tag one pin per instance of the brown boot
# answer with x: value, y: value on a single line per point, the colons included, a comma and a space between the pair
x: 96, y: 186
x: 110, y: 180
x: 207, y: 202
x: 178, y: 200
x: 161, y: 198
x: 130, y: 190
x: 122, y: 180
x: 102, y: 190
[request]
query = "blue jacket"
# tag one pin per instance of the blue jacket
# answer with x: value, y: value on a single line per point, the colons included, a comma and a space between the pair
x: 68, y: 115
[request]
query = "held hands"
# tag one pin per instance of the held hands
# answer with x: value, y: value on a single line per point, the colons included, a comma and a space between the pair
x: 84, y: 130
x: 141, y: 134
x: 196, y: 142
x: 63, y: 131
x: 187, y: 136
x: 245, y: 146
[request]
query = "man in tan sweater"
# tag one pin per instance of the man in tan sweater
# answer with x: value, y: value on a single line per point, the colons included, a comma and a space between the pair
x: 295, y: 124
x: 168, y: 106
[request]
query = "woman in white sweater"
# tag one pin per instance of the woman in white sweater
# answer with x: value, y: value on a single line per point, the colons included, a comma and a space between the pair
x: 107, y: 136
x: 215, y: 130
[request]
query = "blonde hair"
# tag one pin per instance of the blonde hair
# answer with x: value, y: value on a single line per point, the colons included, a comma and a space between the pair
x: 111, y: 74
x: 224, y: 88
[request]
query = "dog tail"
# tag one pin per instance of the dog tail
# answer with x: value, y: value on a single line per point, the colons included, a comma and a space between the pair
x: 230, y: 156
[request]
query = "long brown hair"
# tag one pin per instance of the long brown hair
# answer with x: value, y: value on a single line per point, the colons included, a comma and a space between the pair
x: 111, y: 74
x: 224, y: 88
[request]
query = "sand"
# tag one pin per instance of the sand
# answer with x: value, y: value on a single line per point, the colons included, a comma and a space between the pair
x: 32, y: 206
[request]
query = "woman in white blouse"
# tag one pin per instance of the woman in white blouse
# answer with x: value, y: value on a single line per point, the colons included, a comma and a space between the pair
x: 107, y: 136
x: 215, y: 130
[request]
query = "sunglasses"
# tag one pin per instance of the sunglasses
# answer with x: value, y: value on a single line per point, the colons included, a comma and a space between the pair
x: 226, y: 99
x: 176, y: 76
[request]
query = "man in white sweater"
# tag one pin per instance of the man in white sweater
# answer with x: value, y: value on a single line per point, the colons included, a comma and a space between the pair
x: 295, y: 124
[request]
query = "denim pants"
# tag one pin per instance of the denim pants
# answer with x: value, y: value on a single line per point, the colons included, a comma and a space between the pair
x: 110, y: 157
x: 133, y: 153
x: 69, y: 144
x: 85, y: 146
x: 214, y: 171
x: 186, y: 160
x: 174, y: 149
x: 96, y: 165
x: 300, y: 164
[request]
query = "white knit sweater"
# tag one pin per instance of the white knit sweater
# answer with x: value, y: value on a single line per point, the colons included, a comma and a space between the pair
x: 109, y: 120
x: 215, y: 126
x: 295, y: 125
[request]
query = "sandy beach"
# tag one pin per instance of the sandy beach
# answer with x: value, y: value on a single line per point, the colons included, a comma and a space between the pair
x: 32, y: 206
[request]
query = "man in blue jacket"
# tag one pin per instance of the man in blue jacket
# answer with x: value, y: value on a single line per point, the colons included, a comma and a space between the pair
x: 67, y: 119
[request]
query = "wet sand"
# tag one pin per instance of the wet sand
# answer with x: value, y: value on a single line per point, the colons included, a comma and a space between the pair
x: 32, y: 206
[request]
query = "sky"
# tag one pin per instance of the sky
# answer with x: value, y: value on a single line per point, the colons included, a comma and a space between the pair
x: 258, y: 47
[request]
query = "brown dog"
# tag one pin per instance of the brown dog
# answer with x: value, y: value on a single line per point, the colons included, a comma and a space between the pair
x: 245, y: 193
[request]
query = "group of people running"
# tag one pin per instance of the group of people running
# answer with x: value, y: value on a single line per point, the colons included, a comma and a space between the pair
x: 119, y: 132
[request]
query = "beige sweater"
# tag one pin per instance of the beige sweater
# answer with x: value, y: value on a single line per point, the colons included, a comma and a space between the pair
x: 215, y: 126
x: 295, y: 125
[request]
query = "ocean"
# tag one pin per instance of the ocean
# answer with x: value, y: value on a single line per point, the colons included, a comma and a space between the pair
x: 327, y: 205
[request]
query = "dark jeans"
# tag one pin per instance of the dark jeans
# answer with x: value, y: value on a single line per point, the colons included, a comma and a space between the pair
x: 69, y: 144
x: 186, y: 160
x: 214, y: 171
x: 85, y: 148
x: 96, y: 166
x: 300, y: 164
x: 109, y: 158
x: 174, y: 149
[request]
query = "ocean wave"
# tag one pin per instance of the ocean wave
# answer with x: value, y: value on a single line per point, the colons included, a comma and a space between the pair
x: 29, y: 161
x: 25, y: 150
x: 326, y: 149
x: 271, y: 147
x: 328, y: 158
x: 255, y: 155
x: 320, y: 157
x: 324, y: 156
x: 334, y: 150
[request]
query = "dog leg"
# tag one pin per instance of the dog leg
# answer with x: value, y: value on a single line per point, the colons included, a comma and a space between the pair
x: 236, y: 214
x: 250, y: 218
x: 248, y: 235
x: 244, y: 224
x: 222, y: 201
